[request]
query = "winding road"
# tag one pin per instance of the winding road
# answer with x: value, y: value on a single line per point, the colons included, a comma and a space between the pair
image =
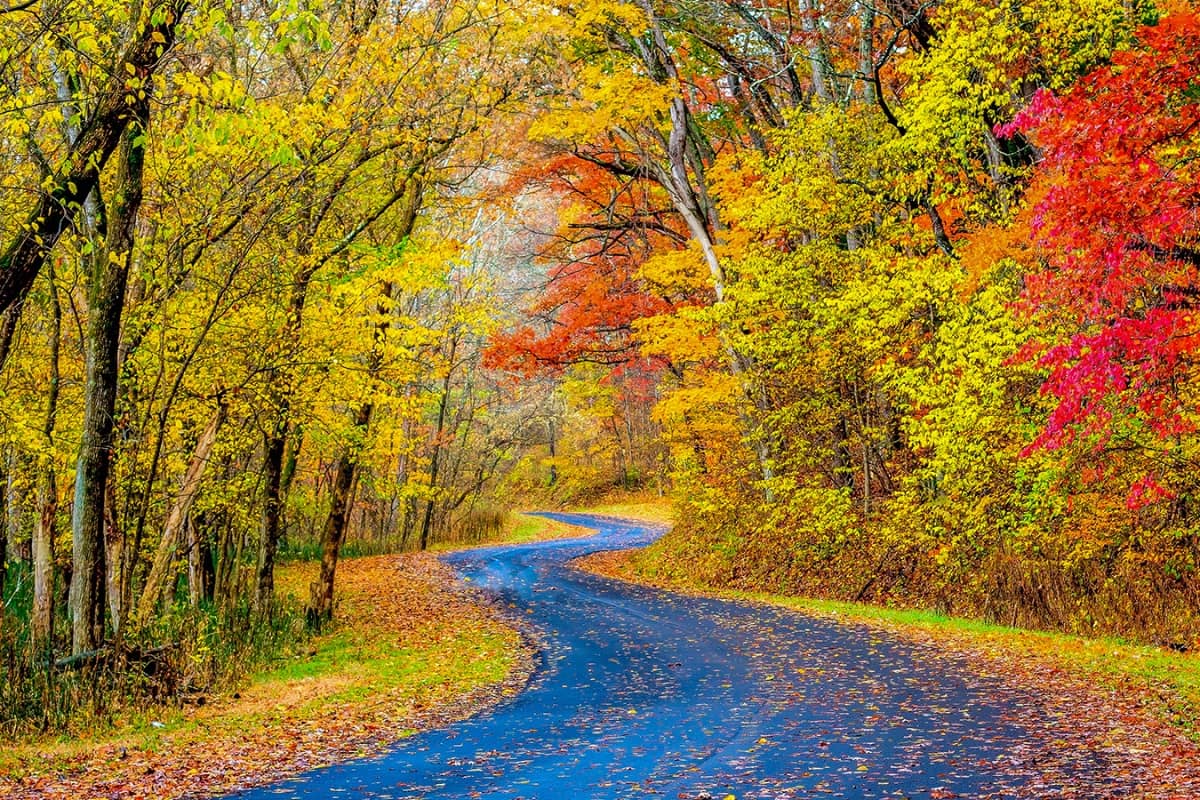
x: 642, y: 693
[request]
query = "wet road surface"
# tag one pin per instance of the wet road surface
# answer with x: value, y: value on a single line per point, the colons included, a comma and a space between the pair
x: 643, y: 693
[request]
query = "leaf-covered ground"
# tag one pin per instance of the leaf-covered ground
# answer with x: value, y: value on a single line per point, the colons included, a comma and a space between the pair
x: 1107, y: 700
x: 415, y: 651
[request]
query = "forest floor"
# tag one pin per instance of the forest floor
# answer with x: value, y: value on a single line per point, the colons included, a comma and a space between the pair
x: 410, y: 651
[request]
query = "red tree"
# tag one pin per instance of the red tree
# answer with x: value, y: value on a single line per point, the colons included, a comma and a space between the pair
x: 592, y: 293
x: 1120, y: 228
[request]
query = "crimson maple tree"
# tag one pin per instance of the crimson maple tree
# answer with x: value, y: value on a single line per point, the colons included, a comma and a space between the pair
x: 1119, y: 226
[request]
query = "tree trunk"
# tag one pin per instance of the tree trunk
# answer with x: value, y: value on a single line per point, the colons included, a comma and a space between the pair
x: 14, y: 506
x: 320, y: 607
x: 553, y: 443
x: 42, y: 622
x: 268, y: 545
x: 117, y: 551
x: 282, y: 457
x: 42, y: 619
x: 5, y: 477
x: 427, y: 522
x: 291, y: 459
x: 280, y: 385
x: 866, y: 52
x: 691, y: 201
x: 207, y: 562
x: 196, y: 563
x: 8, y: 330
x: 159, y: 580
x: 106, y: 304
x: 275, y: 445
x: 843, y: 465
x: 818, y: 62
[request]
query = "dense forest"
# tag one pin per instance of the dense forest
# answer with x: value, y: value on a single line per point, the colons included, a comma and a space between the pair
x: 896, y: 299
x: 912, y: 286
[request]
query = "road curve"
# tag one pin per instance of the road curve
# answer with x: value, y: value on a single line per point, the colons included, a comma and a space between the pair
x: 642, y: 693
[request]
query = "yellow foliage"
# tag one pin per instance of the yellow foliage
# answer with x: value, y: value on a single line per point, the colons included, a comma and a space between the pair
x: 677, y: 271
x: 602, y: 98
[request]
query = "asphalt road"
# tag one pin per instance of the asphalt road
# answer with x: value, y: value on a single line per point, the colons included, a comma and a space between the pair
x: 643, y: 693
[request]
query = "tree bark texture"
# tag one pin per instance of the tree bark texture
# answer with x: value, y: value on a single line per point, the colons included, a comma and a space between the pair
x: 106, y: 303
x: 160, y: 579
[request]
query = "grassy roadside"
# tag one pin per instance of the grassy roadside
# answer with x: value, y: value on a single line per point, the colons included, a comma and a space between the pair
x: 1168, y: 682
x: 521, y: 528
x: 646, y: 508
x: 1163, y: 682
x: 408, y: 651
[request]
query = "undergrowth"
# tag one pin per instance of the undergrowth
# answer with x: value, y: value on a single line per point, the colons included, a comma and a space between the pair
x: 186, y: 654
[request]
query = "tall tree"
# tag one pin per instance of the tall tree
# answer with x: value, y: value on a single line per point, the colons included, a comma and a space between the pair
x: 106, y: 302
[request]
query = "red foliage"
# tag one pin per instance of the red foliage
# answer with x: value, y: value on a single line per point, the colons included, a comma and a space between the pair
x: 592, y: 295
x: 1120, y: 229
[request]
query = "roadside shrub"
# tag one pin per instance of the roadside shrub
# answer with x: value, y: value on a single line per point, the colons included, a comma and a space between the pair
x: 186, y: 654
